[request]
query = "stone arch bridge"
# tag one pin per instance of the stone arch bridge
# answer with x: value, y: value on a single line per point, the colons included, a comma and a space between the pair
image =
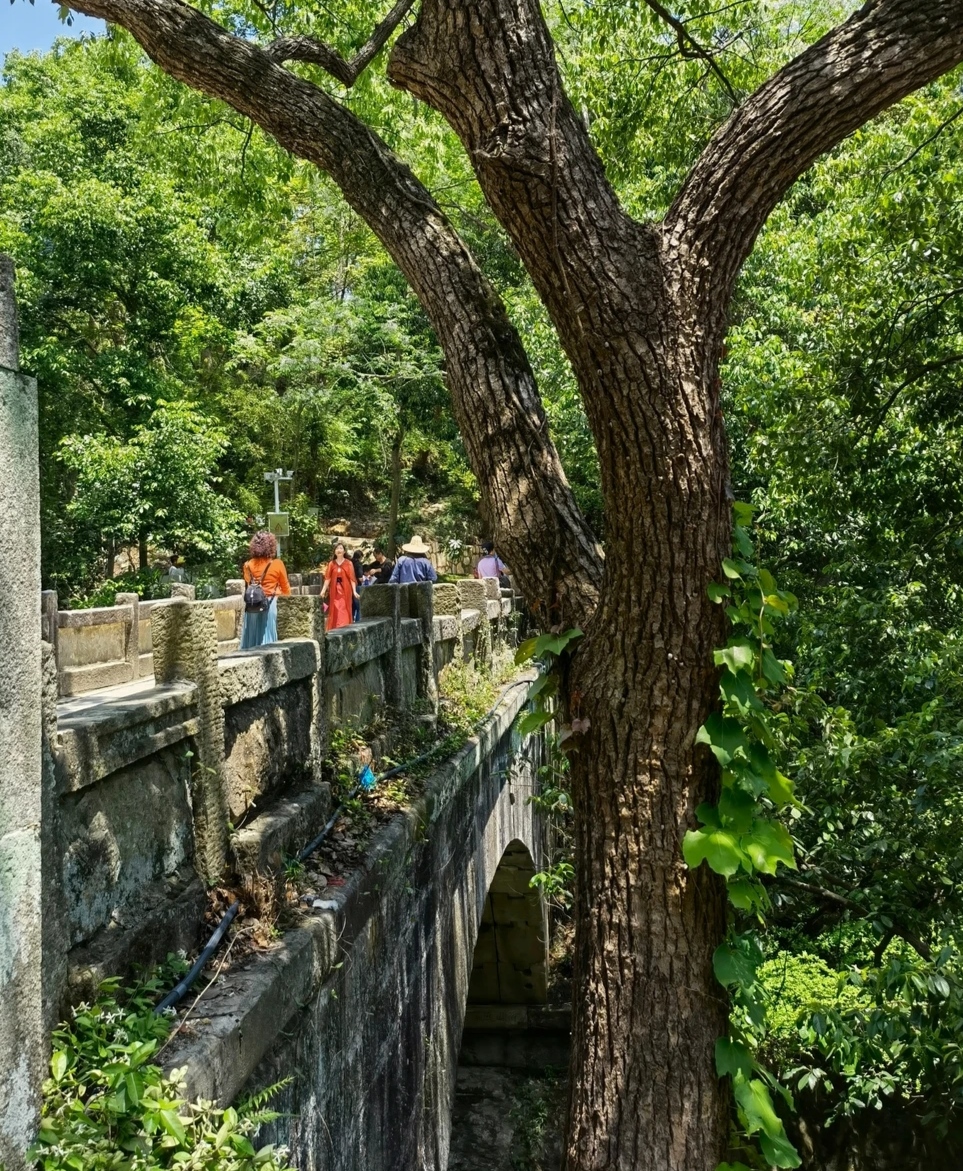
x: 146, y: 758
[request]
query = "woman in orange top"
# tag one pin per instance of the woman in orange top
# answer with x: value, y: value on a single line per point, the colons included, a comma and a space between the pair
x: 266, y: 568
x: 342, y: 585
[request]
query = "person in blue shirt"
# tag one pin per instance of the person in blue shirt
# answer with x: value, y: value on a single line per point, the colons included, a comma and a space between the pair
x: 413, y: 565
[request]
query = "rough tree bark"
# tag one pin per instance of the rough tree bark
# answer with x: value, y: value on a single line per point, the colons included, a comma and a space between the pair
x: 641, y: 312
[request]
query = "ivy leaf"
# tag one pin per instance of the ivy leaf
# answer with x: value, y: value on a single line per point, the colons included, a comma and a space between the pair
x: 725, y: 738
x: 525, y: 651
x: 547, y: 684
x: 717, y: 592
x: 767, y: 845
x: 732, y: 1057
x: 739, y: 693
x: 746, y: 895
x: 718, y: 847
x: 58, y: 1065
x: 709, y: 815
x: 532, y: 721
x: 736, y: 809
x: 736, y: 965
x: 779, y: 1151
x: 741, y: 541
x: 740, y: 653
x: 759, y: 1115
x: 773, y: 671
x: 734, y: 569
x: 554, y: 644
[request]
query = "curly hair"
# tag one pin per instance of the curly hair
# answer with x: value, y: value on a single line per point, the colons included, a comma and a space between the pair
x: 263, y: 545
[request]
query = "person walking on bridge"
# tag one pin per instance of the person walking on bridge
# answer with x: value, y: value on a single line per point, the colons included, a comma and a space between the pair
x: 413, y: 565
x: 340, y: 588
x: 264, y: 578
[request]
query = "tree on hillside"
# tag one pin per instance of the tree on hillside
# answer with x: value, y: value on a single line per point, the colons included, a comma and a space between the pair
x: 641, y: 311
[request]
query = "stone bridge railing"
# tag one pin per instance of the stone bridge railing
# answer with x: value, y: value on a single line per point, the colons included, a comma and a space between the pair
x: 109, y: 645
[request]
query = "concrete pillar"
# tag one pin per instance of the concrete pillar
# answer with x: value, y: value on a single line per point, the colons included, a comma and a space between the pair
x: 132, y: 641
x: 418, y: 601
x: 384, y: 601
x: 474, y: 597
x: 183, y: 589
x: 302, y: 616
x: 184, y: 635
x: 22, y: 1039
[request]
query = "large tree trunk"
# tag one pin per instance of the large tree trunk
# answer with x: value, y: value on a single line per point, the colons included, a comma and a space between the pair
x: 641, y: 312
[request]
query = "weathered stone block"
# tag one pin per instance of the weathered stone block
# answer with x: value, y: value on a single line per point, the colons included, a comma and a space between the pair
x: 447, y: 599
x: 120, y: 836
x: 301, y: 616
x: 184, y: 636
x: 267, y: 744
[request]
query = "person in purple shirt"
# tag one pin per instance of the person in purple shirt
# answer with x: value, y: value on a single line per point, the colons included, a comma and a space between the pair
x: 413, y: 565
x: 490, y: 564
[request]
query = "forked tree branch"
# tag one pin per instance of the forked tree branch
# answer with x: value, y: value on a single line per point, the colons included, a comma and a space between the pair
x: 541, y: 533
x: 315, y: 52
x: 886, y: 50
x: 695, y: 48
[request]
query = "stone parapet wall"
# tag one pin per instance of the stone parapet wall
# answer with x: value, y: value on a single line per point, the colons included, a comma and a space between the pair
x: 362, y: 1004
x: 214, y: 766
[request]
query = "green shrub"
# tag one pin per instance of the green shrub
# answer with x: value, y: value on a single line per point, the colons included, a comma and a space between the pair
x: 107, y: 1105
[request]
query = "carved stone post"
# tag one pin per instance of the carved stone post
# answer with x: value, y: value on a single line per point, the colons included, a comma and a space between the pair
x: 302, y: 616
x: 418, y: 601
x: 132, y: 641
x: 22, y: 1037
x: 384, y: 601
x: 184, y: 635
x: 474, y: 597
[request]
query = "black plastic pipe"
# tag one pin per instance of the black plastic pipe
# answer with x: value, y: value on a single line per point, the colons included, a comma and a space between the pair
x: 180, y: 990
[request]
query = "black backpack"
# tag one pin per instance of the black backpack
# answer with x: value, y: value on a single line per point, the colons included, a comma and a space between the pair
x: 256, y: 600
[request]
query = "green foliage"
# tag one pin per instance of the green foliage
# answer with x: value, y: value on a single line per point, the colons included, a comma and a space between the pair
x: 107, y: 1105
x: 739, y: 838
x: 146, y: 583
x: 157, y: 485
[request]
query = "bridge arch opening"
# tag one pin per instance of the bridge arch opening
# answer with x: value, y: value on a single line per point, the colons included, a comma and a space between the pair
x: 510, y: 962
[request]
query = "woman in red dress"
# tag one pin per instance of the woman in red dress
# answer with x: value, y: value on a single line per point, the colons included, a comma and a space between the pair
x: 340, y: 586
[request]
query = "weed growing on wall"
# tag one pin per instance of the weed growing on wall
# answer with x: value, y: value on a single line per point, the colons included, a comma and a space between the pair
x: 107, y: 1105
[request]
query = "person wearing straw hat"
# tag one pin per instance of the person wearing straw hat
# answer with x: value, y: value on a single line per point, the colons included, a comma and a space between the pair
x: 413, y: 565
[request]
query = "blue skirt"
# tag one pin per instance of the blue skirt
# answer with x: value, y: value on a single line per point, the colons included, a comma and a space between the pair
x: 260, y: 628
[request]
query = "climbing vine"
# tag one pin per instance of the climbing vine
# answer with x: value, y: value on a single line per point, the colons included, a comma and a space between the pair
x: 557, y: 881
x: 741, y: 838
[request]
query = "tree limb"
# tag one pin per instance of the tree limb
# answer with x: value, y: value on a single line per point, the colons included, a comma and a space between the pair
x: 695, y: 49
x: 882, y: 53
x: 919, y: 945
x: 539, y: 528
x: 315, y: 52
